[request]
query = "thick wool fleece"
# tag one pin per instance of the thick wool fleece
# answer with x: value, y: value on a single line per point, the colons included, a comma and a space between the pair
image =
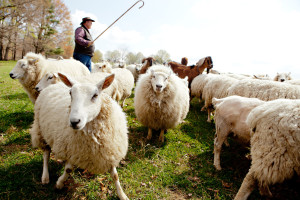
x: 35, y: 72
x: 51, y: 126
x: 166, y: 109
x: 275, y: 141
x: 264, y: 89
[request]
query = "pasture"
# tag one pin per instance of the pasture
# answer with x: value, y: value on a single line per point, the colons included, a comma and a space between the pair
x: 180, y: 168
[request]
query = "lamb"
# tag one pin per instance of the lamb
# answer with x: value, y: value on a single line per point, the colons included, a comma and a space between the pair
x: 264, y: 90
x: 90, y: 133
x: 275, y: 143
x: 52, y: 78
x: 161, y: 100
x: 30, y: 70
x: 230, y: 117
x: 281, y: 77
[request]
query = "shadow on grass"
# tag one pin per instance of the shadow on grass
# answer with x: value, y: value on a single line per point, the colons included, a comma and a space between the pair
x: 23, y: 181
x: 19, y: 120
x: 17, y: 96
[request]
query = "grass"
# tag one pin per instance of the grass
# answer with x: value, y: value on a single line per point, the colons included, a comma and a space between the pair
x: 180, y: 168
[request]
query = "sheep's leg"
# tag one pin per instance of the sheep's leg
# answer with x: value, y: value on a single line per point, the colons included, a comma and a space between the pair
x: 63, y: 178
x: 220, y: 137
x: 123, y: 103
x: 149, y: 136
x: 208, y: 115
x: 161, y: 135
x: 246, y: 188
x: 114, y: 175
x: 46, y: 156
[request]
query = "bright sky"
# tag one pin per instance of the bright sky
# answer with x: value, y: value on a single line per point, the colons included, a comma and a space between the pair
x: 241, y: 36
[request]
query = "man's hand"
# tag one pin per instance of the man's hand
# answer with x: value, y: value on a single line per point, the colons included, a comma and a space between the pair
x: 90, y: 43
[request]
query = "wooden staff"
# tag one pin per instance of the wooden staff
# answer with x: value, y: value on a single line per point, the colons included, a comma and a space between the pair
x: 118, y: 19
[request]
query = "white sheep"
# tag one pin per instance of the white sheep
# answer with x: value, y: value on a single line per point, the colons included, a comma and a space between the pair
x: 161, y: 100
x: 52, y: 78
x: 135, y: 70
x: 124, y: 80
x: 281, y: 77
x: 216, y: 86
x: 293, y: 82
x: 90, y: 132
x: 275, y: 144
x: 264, y: 90
x: 230, y: 117
x: 102, y: 67
x: 30, y: 70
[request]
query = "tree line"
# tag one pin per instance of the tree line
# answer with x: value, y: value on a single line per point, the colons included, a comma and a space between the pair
x: 45, y: 26
x: 40, y: 26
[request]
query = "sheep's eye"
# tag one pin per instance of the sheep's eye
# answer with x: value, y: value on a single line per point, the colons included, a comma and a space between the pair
x: 70, y: 92
x: 50, y: 77
x: 94, y: 96
x: 23, y: 65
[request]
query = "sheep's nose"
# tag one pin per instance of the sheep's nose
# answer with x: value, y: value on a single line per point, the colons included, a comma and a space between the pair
x: 37, y: 89
x: 11, y: 75
x: 282, y: 80
x: 159, y: 86
x: 74, y: 123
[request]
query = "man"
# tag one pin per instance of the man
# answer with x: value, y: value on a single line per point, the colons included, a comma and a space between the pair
x: 84, y: 45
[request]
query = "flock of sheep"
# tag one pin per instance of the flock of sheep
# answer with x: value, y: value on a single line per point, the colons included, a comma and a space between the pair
x: 91, y: 131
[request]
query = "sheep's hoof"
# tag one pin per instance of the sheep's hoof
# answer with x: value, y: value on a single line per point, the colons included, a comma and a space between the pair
x: 45, y: 180
x: 218, y: 167
x: 59, y: 186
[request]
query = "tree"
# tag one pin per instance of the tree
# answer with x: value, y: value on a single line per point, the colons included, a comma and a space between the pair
x: 98, y: 56
x: 132, y: 58
x: 162, y: 56
x: 113, y: 56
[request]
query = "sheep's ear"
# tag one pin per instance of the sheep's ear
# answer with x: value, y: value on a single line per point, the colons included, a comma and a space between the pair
x: 32, y: 61
x: 289, y: 73
x: 186, y: 78
x: 66, y: 80
x: 106, y: 82
x: 55, y: 75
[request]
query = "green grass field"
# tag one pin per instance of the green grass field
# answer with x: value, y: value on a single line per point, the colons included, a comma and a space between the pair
x: 180, y: 168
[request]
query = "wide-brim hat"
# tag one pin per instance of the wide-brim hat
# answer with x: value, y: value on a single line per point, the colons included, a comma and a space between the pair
x: 86, y: 19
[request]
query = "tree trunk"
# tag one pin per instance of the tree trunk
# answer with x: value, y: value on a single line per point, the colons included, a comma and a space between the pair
x: 6, y: 52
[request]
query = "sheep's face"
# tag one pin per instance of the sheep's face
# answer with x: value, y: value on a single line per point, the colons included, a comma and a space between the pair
x: 281, y: 77
x: 85, y: 100
x: 19, y: 70
x: 48, y: 79
x: 159, y: 81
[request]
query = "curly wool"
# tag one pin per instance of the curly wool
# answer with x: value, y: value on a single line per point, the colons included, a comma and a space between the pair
x: 166, y: 109
x: 264, y: 89
x: 77, y: 146
x: 34, y: 73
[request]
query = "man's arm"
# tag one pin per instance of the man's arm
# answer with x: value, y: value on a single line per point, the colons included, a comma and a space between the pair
x: 79, y: 34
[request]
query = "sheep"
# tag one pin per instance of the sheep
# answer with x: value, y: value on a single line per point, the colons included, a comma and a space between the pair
x: 102, y: 67
x: 293, y: 82
x: 124, y: 80
x: 135, y: 70
x: 264, y: 90
x: 275, y: 144
x: 281, y: 77
x: 90, y: 132
x: 230, y: 117
x: 161, y: 100
x: 147, y: 62
x: 216, y: 87
x: 125, y: 83
x: 261, y: 76
x: 52, y: 78
x: 30, y: 70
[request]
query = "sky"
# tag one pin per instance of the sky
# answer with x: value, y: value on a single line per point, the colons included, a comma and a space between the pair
x: 241, y: 36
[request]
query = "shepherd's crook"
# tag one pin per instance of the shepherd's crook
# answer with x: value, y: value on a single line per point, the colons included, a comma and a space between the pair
x: 119, y: 18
